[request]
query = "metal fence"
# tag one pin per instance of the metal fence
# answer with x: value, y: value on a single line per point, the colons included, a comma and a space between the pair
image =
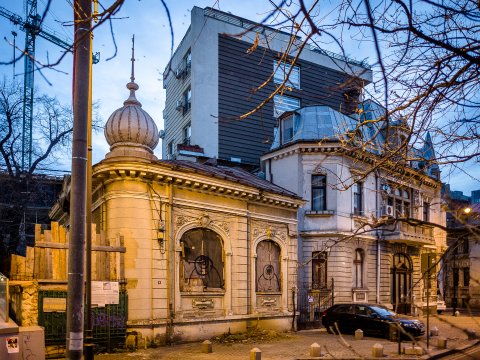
x: 109, y: 323
x: 311, y: 304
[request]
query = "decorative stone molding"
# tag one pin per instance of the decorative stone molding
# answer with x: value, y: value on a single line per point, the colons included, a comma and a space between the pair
x: 269, y: 302
x: 181, y: 220
x: 225, y: 227
x: 204, y: 220
x: 202, y: 304
x: 269, y: 231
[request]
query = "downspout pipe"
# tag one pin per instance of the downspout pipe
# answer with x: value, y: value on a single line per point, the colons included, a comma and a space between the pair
x: 377, y: 284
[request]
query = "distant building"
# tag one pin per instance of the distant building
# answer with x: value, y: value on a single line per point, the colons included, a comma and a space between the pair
x: 212, y: 78
x: 340, y: 245
x: 24, y: 202
x: 460, y: 275
x: 475, y: 197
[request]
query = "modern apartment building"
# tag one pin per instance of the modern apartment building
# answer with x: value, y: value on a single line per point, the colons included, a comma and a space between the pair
x: 215, y: 75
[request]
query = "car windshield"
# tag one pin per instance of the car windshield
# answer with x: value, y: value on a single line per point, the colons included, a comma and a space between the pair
x: 382, y: 311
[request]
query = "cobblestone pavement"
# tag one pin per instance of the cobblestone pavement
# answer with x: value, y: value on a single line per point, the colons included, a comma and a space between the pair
x: 297, y: 345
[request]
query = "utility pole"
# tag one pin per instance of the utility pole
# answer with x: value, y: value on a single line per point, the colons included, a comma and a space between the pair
x: 76, y: 250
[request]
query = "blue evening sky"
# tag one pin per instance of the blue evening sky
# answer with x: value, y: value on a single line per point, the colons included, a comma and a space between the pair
x: 148, y: 21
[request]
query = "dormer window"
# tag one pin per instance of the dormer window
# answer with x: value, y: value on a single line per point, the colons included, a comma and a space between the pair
x: 287, y: 129
x: 289, y: 126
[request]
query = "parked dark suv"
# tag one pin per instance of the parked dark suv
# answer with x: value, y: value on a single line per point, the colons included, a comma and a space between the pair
x: 371, y: 318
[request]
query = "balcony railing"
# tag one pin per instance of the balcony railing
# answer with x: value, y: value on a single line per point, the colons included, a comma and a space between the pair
x: 420, y: 234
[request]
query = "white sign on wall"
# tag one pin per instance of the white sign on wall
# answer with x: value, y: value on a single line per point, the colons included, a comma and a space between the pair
x: 105, y: 293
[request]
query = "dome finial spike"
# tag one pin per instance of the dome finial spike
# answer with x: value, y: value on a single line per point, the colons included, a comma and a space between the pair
x: 131, y: 85
x: 132, y: 77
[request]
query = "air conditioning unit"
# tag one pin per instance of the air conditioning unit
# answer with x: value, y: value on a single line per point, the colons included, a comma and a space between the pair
x: 387, y: 210
x: 179, y: 105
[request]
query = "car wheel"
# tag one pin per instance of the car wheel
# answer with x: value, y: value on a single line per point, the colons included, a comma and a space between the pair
x: 439, y: 312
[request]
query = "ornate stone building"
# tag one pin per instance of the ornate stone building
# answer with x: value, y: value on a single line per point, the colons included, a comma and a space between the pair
x: 366, y: 231
x: 208, y: 248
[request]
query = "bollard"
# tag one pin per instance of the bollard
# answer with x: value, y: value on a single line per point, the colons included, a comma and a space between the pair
x: 315, y: 350
x: 434, y: 331
x: 442, y: 343
x: 255, y: 354
x: 359, y: 334
x: 207, y: 347
x: 377, y: 350
x: 413, y: 350
x: 457, y: 313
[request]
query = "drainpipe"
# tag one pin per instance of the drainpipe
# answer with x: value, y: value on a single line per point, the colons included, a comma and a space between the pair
x: 270, y: 174
x: 377, y: 285
x: 170, y: 265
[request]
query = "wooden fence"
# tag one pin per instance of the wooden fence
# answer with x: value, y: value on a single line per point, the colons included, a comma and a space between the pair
x: 47, y: 261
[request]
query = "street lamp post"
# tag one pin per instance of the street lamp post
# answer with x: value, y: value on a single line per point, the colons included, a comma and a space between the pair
x: 455, y: 286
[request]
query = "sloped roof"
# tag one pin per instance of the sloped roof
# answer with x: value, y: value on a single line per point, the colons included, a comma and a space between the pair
x: 233, y: 174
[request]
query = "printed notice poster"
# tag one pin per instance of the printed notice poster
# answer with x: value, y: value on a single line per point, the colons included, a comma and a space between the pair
x: 105, y: 293
x: 12, y: 344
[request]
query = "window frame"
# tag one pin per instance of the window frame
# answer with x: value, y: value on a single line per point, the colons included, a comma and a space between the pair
x: 187, y: 133
x: 322, y: 188
x: 279, y: 104
x: 357, y: 189
x: 187, y: 100
x: 266, y: 270
x: 170, y: 149
x: 400, y: 199
x: 426, y: 211
x: 210, y: 261
x: 358, y: 265
x: 319, y: 261
x: 280, y: 71
x: 187, y: 61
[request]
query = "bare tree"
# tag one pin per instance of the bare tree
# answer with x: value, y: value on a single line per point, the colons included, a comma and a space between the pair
x: 426, y: 57
x: 27, y: 195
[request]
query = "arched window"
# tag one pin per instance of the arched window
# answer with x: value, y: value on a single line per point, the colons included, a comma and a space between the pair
x: 358, y: 263
x: 267, y: 267
x: 202, y: 260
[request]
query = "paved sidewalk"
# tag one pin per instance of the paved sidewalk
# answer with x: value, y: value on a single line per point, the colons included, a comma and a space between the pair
x: 297, y: 345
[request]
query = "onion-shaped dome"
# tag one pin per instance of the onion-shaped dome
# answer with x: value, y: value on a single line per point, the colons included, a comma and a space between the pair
x: 131, y: 126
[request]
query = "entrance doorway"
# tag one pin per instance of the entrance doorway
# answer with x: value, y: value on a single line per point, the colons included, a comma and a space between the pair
x: 402, y: 283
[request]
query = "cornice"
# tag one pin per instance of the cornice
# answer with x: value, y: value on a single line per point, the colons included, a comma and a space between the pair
x: 356, y: 154
x: 156, y: 173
